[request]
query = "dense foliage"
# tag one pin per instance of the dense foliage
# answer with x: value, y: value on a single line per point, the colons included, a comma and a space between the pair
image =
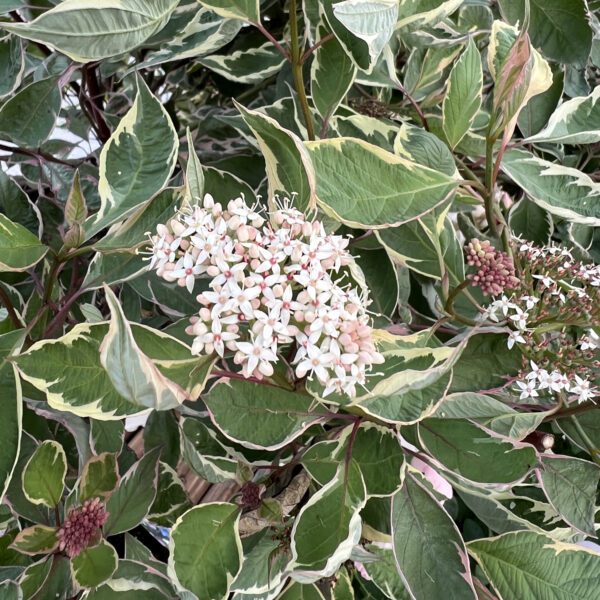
x: 340, y: 255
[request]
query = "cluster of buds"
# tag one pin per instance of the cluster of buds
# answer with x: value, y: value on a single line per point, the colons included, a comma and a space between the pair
x: 549, y: 316
x: 82, y: 527
x: 495, y: 269
x: 272, y: 283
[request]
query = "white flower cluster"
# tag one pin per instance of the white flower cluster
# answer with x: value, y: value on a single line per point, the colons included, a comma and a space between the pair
x: 561, y: 289
x: 271, y: 284
x: 540, y: 380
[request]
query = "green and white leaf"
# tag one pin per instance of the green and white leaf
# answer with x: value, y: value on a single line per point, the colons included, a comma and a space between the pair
x: 99, y: 477
x: 471, y: 452
x: 260, y: 416
x: 562, y: 191
x: 554, y: 26
x: 289, y: 168
x: 86, y: 390
x: 94, y: 565
x: 329, y: 525
x: 246, y: 10
x: 430, y: 553
x: 372, y: 21
x: 332, y: 74
x: 463, y: 95
x: 205, y: 33
x: 571, y: 485
x: 249, y: 66
x: 38, y: 539
x: 413, y: 14
x: 531, y: 565
x: 131, y: 501
x: 12, y: 65
x: 12, y: 408
x: 44, y: 475
x: 19, y: 248
x: 87, y: 32
x: 576, y: 121
x: 133, y: 374
x: 205, y: 550
x: 365, y: 187
x: 32, y: 126
x: 136, y: 162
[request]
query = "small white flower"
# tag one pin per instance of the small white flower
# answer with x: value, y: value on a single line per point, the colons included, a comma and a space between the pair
x: 187, y: 269
x: 583, y: 389
x: 530, y: 301
x: 315, y: 362
x: 513, y: 338
x: 259, y: 355
x: 520, y: 319
x: 527, y: 389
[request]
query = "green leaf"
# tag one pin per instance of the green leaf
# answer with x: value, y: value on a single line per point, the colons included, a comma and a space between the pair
x: 16, y: 205
x: 249, y: 66
x: 363, y: 186
x: 299, y: 591
x: 428, y: 245
x: 30, y: 126
x: 463, y: 95
x: 289, y: 169
x: 205, y: 550
x: 44, y: 474
x: 273, y: 417
x: 12, y: 64
x: 94, y: 565
x: 204, y: 454
x: 204, y: 34
x: 161, y: 430
x: 430, y: 553
x: 570, y: 485
x: 171, y: 498
x: 531, y: 222
x: 19, y: 248
x: 554, y: 27
x: 130, y: 502
x: 38, y: 539
x: 424, y: 148
x: 576, y: 121
x: 329, y: 525
x: 562, y: 191
x: 538, y: 110
x: 194, y: 176
x: 246, y: 10
x: 75, y: 207
x: 85, y: 389
x: 414, y: 14
x: 133, y: 374
x: 332, y: 74
x: 378, y: 453
x: 12, y: 409
x: 136, y: 162
x: 525, y: 564
x: 382, y: 281
x: 49, y: 578
x: 485, y: 363
x: 9, y: 590
x: 372, y: 21
x: 471, y: 452
x: 99, y: 477
x: 106, y: 436
x: 264, y: 565
x: 384, y: 573
x: 86, y: 32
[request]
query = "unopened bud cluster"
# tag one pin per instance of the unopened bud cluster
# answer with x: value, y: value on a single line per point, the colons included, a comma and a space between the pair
x: 82, y: 527
x: 495, y: 269
x: 272, y: 283
x: 551, y: 316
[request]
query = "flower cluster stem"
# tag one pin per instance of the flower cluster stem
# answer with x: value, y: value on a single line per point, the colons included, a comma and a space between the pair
x: 296, y: 58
